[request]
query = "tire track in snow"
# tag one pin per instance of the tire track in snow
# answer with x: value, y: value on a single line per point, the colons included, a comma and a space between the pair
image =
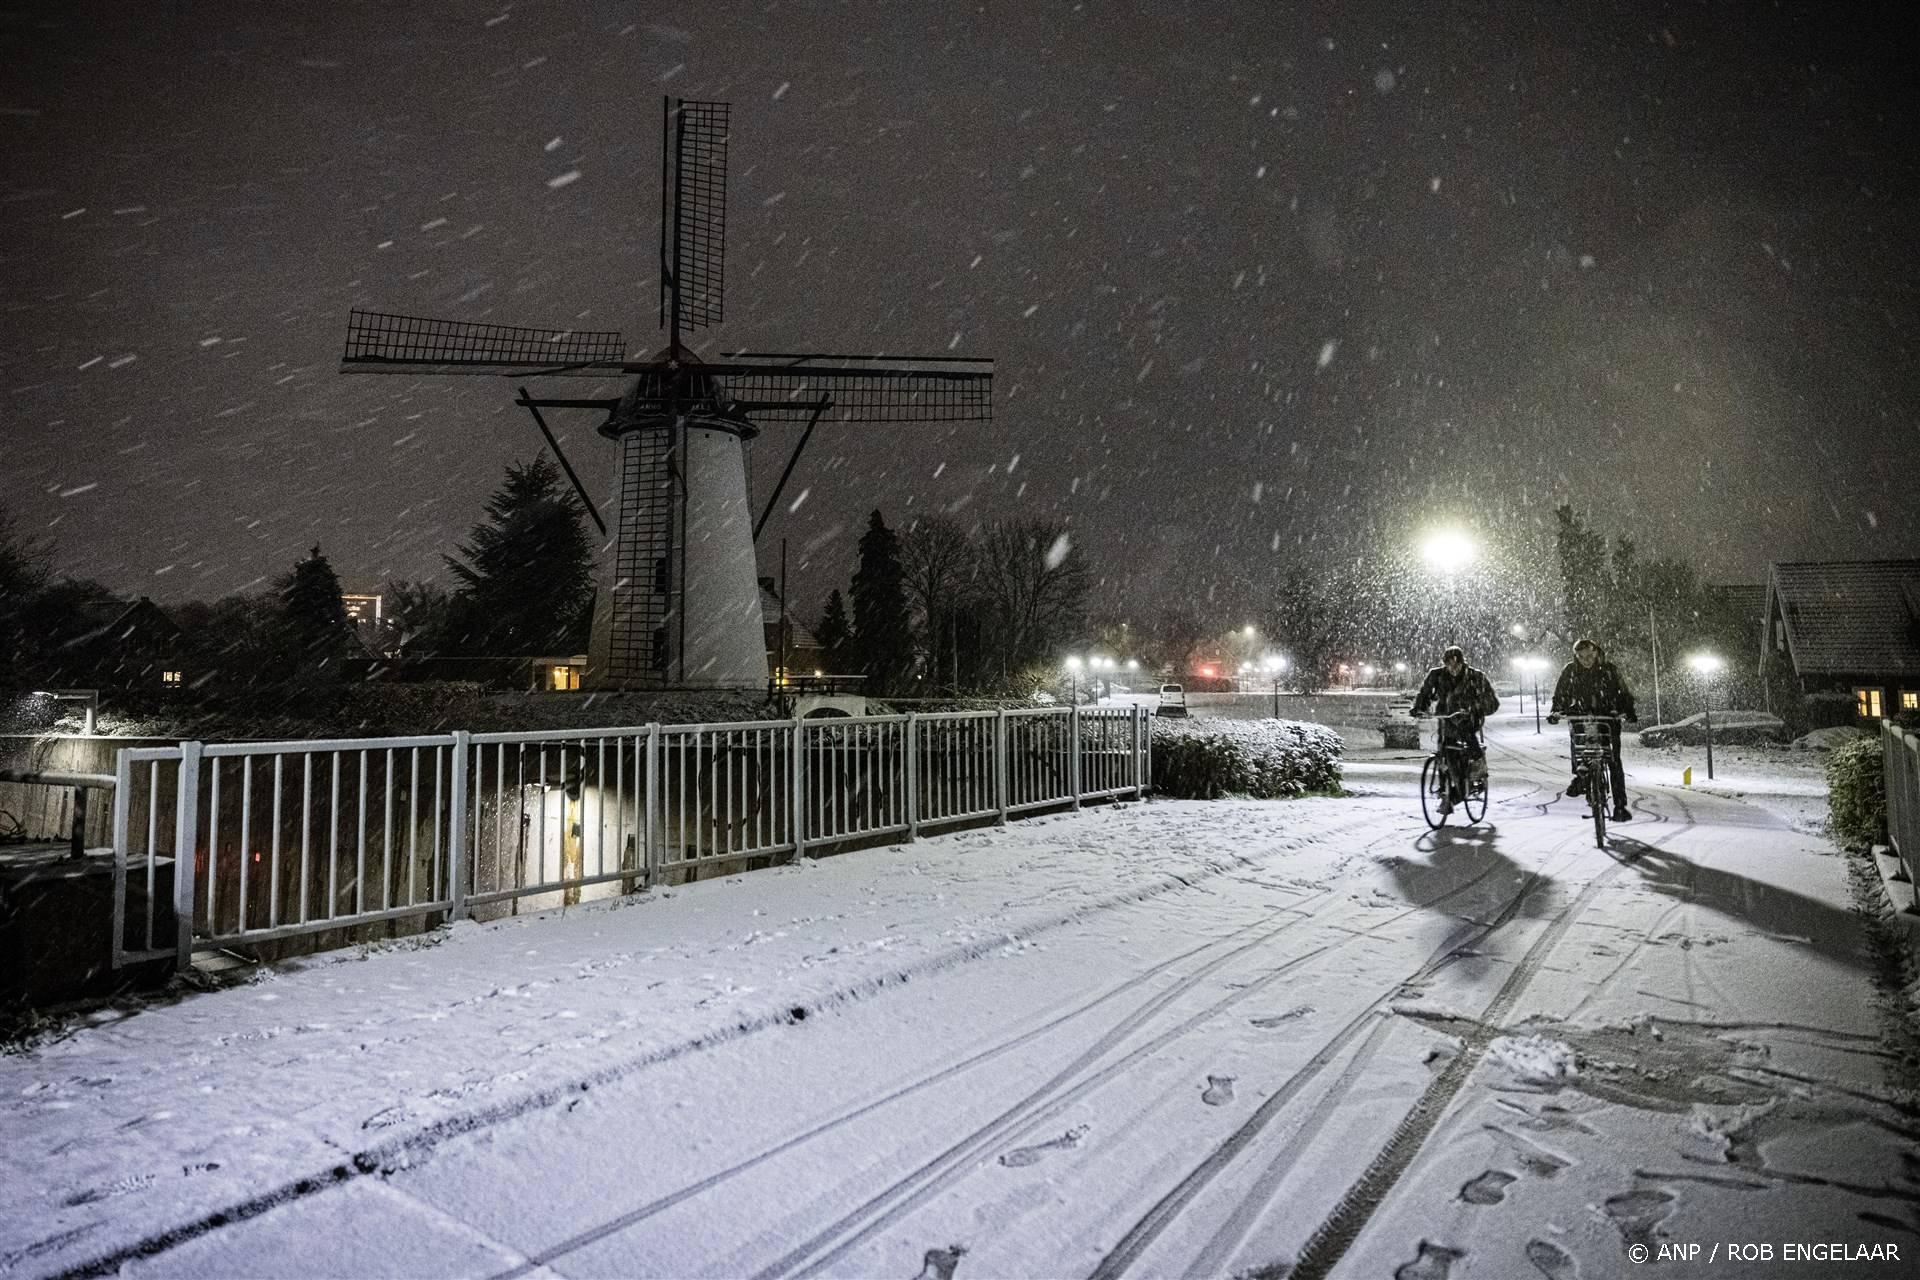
x: 406, y: 1147
x: 615, y: 1225
x: 1168, y: 1209
x: 1331, y: 1239
x: 890, y: 1204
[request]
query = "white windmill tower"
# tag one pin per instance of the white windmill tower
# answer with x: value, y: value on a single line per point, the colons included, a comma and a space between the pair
x: 677, y: 602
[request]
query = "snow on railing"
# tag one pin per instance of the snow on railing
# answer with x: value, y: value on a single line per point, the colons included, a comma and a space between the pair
x: 300, y: 838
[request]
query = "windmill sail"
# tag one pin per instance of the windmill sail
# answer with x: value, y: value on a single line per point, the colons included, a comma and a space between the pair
x: 693, y: 225
x: 380, y: 342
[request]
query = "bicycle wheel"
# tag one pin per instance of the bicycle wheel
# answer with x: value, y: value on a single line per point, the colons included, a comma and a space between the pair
x: 1476, y: 801
x: 1599, y: 806
x: 1433, y: 781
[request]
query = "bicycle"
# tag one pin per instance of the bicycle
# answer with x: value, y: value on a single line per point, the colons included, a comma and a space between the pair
x: 1446, y: 775
x: 1592, y: 754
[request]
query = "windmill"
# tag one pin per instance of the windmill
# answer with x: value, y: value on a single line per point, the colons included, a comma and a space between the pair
x: 677, y: 602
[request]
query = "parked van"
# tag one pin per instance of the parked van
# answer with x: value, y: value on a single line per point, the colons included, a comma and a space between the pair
x: 1173, y: 700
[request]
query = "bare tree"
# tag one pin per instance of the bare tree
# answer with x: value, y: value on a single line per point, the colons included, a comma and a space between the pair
x: 1034, y: 584
x: 1177, y: 632
x: 940, y: 570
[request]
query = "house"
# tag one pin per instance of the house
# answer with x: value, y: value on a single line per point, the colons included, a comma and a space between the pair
x: 122, y: 646
x: 804, y: 654
x: 1848, y: 626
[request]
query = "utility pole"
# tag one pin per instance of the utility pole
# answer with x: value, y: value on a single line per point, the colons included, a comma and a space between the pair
x: 1654, y: 640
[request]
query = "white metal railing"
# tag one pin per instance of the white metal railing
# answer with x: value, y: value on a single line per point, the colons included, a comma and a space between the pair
x: 291, y: 838
x: 1900, y: 755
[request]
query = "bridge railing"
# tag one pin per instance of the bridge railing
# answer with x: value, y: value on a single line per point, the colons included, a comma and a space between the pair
x: 236, y: 843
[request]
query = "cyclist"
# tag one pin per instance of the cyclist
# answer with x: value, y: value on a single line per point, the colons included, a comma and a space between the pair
x: 1591, y: 686
x: 1452, y: 687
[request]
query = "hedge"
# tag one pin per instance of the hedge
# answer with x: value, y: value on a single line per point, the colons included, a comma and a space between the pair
x: 1202, y: 759
x: 1857, y: 793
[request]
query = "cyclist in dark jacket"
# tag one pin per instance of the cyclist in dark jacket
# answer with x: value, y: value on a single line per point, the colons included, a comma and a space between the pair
x: 1454, y: 686
x: 1591, y: 686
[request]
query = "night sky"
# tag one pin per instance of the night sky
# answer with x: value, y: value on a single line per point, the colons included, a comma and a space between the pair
x: 1267, y: 283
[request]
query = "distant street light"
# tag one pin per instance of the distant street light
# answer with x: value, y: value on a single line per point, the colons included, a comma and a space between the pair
x: 1536, y: 666
x: 1707, y: 666
x: 1275, y: 664
x: 1073, y: 681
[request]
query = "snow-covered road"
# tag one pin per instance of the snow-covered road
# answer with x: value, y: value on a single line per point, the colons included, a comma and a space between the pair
x: 1175, y: 1038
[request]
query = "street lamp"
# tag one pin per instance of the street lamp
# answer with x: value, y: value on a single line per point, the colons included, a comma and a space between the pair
x: 1073, y: 681
x: 1102, y: 664
x: 1447, y: 550
x: 1275, y: 664
x: 1706, y: 666
x: 89, y: 698
x: 1535, y: 666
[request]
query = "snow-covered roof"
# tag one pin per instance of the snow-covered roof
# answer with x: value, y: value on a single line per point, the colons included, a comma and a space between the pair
x: 799, y: 636
x: 1849, y: 616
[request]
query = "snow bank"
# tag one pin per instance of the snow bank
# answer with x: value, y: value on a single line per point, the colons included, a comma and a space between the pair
x: 1263, y: 759
x: 1746, y: 727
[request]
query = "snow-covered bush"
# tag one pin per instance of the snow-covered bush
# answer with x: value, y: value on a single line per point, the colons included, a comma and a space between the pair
x: 1857, y: 793
x: 1265, y: 759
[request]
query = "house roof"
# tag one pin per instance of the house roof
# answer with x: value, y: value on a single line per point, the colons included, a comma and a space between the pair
x: 115, y: 619
x: 1851, y: 617
x: 798, y: 635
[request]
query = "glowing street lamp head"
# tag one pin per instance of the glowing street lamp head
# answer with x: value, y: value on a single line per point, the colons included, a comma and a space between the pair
x: 1073, y: 663
x: 1447, y: 550
x: 1706, y: 664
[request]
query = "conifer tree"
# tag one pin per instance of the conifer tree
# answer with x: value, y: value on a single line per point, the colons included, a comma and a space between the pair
x: 313, y: 617
x: 526, y: 577
x: 882, y: 619
x: 833, y: 633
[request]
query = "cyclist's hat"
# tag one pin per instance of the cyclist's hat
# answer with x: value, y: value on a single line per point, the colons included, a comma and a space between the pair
x: 1454, y: 651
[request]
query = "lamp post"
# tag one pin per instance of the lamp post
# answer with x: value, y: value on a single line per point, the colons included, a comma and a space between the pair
x: 1275, y: 664
x: 1706, y: 666
x: 1073, y: 681
x: 1533, y: 666
x: 90, y: 698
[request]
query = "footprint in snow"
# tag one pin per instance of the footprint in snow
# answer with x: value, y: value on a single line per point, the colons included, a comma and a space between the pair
x: 1021, y: 1157
x: 1433, y: 1263
x: 385, y: 1119
x: 1219, y: 1091
x: 1275, y: 1019
x: 1551, y: 1261
x: 1638, y: 1213
x: 1489, y: 1188
x: 93, y: 1195
x: 938, y: 1264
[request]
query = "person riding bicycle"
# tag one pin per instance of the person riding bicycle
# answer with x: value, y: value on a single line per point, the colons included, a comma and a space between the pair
x: 1452, y: 687
x: 1591, y: 686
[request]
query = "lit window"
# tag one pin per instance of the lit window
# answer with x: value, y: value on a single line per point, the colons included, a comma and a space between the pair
x: 563, y: 677
x: 1867, y: 703
x: 170, y: 677
x: 1909, y: 700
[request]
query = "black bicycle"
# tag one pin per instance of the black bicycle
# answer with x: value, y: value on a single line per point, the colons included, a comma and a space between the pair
x: 1593, y: 739
x: 1448, y: 775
